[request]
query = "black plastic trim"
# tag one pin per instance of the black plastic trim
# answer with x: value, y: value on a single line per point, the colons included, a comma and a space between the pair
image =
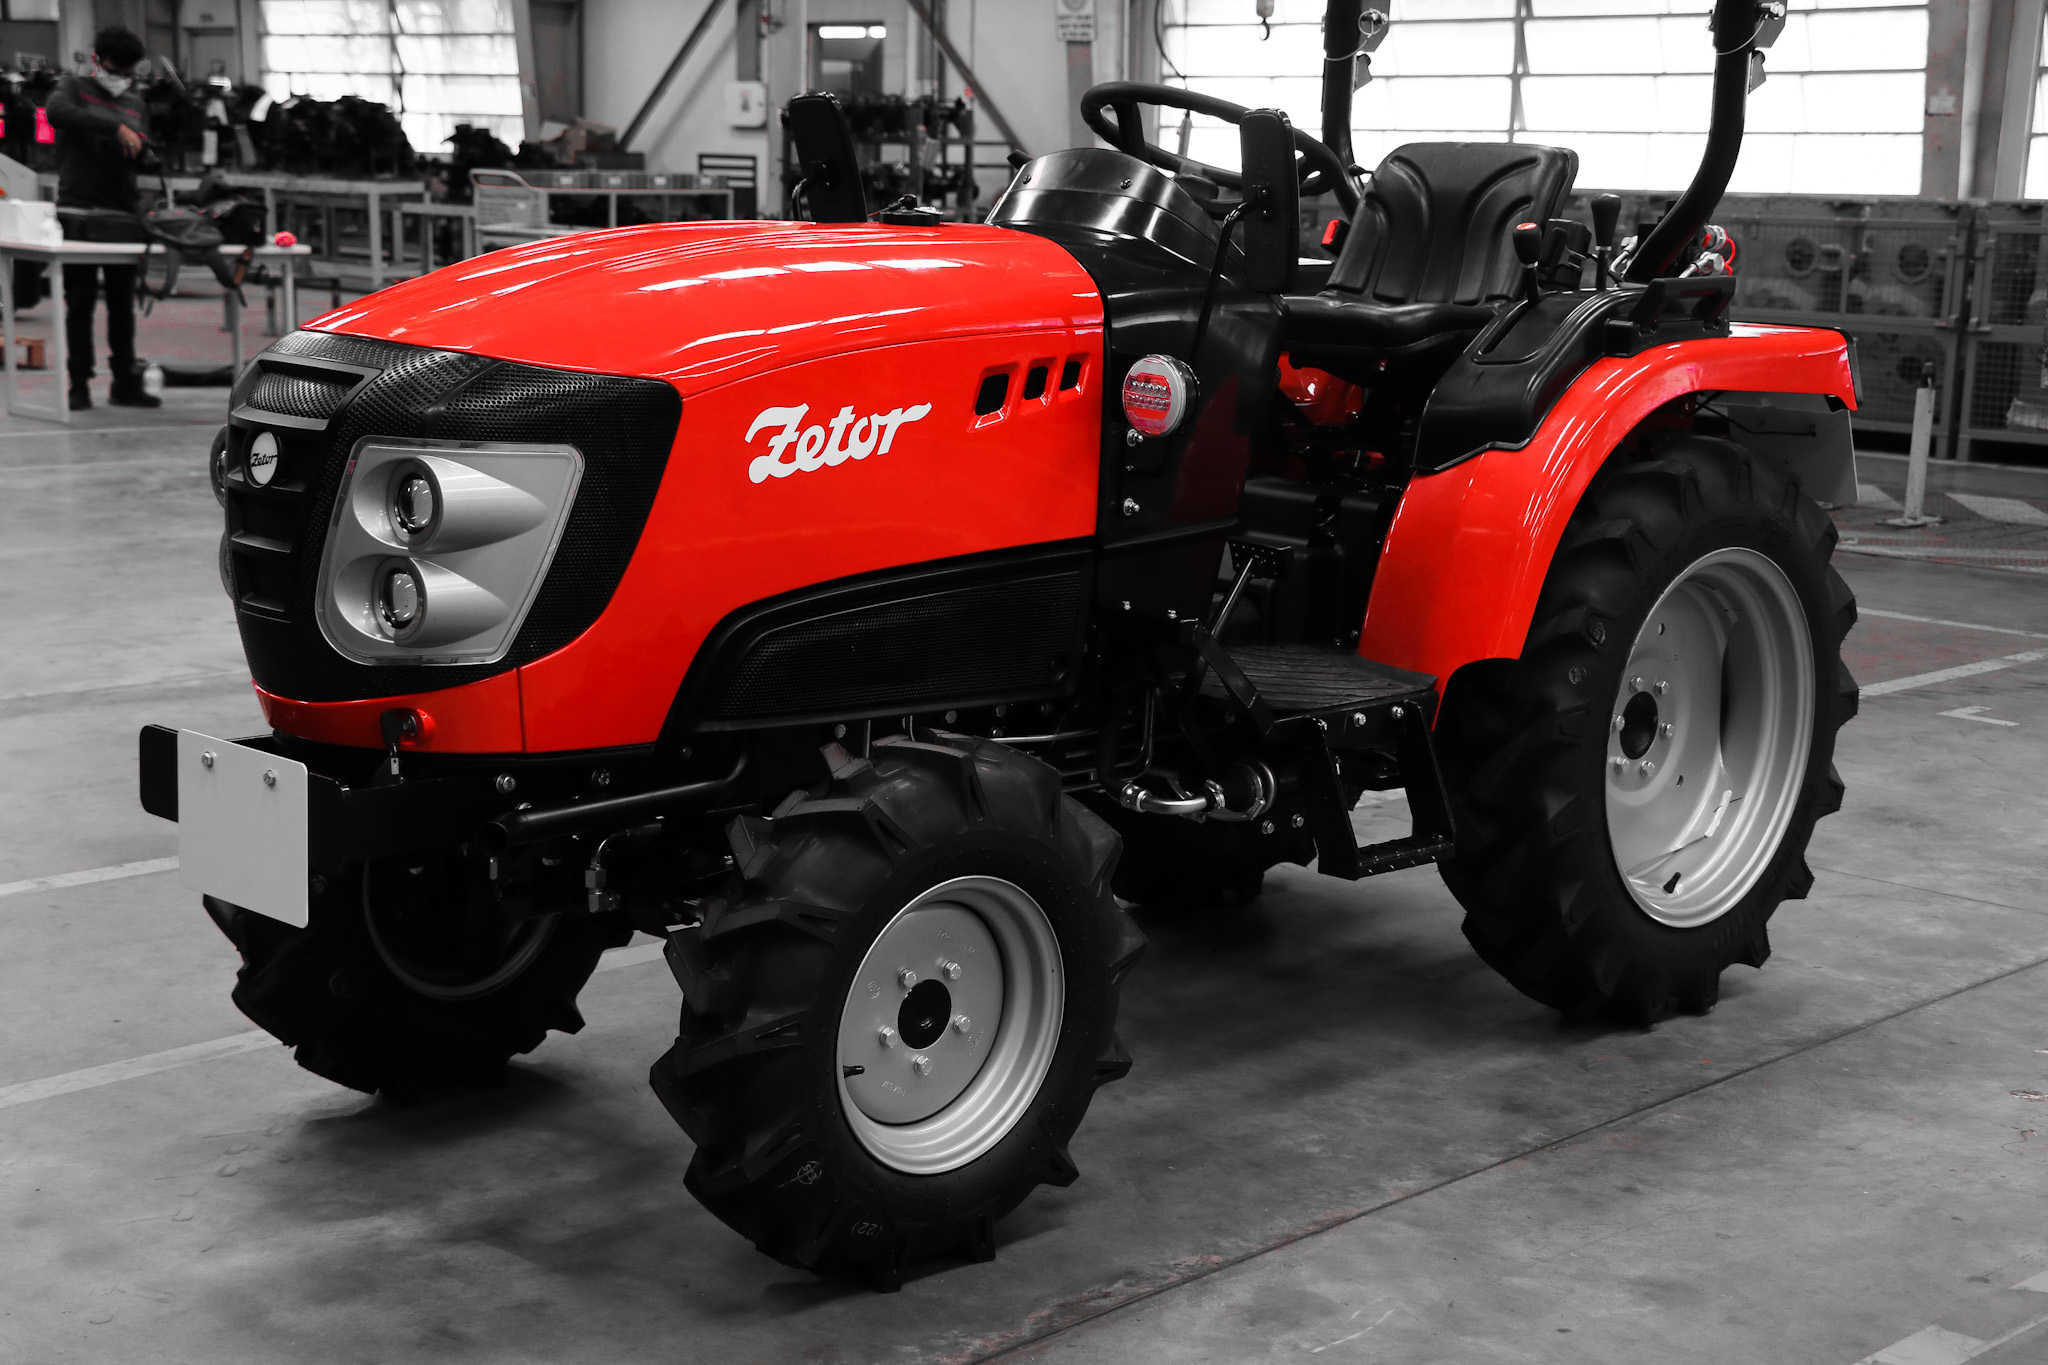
x: 757, y: 637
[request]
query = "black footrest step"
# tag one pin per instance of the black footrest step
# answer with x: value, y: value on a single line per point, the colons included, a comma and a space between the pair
x: 1395, y: 854
x: 1310, y: 679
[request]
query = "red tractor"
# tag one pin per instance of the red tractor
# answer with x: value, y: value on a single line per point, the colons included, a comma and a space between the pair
x: 863, y: 607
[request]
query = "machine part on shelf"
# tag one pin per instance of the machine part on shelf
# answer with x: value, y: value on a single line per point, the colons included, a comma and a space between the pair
x: 923, y: 10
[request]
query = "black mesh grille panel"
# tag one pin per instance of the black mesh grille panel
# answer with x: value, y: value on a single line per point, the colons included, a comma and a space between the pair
x: 984, y: 640
x: 624, y: 428
x: 343, y: 350
x: 316, y: 396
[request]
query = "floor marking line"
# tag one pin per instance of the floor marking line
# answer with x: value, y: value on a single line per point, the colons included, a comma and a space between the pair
x: 1976, y: 713
x: 1942, y: 621
x: 92, y: 1077
x: 87, y: 877
x: 1928, y: 1346
x: 2010, y: 511
x: 1870, y: 495
x: 1942, y: 675
x: 2036, y: 1284
x: 1939, y: 1346
x: 1220, y: 1265
x: 164, y: 680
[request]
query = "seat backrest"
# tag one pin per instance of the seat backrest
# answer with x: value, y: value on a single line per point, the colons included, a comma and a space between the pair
x: 1434, y: 226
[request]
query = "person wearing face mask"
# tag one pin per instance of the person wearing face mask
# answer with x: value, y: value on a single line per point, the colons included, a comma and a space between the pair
x: 102, y: 125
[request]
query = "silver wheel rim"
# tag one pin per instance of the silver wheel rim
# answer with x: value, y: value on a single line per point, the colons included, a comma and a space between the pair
x: 1708, y: 737
x: 977, y: 956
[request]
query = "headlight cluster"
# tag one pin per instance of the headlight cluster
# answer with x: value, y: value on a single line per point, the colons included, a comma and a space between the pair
x: 437, y: 549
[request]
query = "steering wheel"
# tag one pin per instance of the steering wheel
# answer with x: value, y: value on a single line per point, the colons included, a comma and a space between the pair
x: 1322, y: 170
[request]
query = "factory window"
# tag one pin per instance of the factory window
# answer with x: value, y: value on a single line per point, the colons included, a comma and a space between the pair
x: 1625, y: 83
x: 437, y: 63
x: 2037, y: 141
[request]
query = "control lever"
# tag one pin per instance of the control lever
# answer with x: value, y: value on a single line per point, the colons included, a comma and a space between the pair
x: 1606, y: 217
x: 1528, y: 238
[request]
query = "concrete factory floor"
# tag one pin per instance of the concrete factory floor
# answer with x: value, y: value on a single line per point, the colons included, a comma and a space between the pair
x: 1344, y: 1137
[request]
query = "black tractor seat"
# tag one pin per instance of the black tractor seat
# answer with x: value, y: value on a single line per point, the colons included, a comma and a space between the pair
x: 1334, y: 328
x: 1429, y: 255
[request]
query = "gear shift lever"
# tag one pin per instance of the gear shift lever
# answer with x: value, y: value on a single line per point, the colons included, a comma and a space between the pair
x: 1528, y: 238
x: 1606, y: 214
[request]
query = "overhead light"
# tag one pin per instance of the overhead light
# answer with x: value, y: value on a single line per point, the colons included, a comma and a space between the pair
x: 878, y: 30
x: 848, y: 31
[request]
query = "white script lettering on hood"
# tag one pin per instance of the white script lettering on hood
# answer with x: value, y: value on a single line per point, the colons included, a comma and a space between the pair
x: 849, y: 439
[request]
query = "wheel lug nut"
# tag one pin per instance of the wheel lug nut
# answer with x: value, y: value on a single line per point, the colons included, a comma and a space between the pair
x: 1646, y: 767
x: 887, y: 1035
x: 1635, y: 684
x: 922, y: 1065
x: 1297, y: 821
x: 1669, y: 729
x: 1620, y: 723
x: 1662, y: 687
x: 906, y: 978
x: 962, y: 1023
x: 951, y: 969
x: 1618, y: 761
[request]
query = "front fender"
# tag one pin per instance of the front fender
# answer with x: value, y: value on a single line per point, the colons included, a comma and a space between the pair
x: 1469, y: 547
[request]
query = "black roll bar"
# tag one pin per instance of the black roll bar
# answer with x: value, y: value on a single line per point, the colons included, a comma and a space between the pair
x: 1734, y: 24
x: 1340, y: 45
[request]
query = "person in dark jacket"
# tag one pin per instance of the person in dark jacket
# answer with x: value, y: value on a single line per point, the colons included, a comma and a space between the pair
x: 101, y: 125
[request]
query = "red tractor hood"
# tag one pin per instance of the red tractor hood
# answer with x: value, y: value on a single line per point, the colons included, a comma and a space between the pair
x: 703, y: 304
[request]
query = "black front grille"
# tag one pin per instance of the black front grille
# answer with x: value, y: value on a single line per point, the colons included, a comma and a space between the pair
x: 624, y: 428
x: 313, y: 395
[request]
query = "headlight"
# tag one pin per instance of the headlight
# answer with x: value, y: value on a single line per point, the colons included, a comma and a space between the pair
x: 436, y: 550
x: 412, y: 504
x: 398, y: 600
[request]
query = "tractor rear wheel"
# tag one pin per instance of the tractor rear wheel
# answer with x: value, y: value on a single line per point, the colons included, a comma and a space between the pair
x: 408, y: 979
x: 896, y: 1016
x: 1636, y: 792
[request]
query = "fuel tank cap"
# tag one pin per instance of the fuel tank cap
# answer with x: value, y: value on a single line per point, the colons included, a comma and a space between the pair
x: 1159, y: 391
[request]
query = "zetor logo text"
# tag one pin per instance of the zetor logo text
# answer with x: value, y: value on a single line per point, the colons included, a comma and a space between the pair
x: 849, y: 439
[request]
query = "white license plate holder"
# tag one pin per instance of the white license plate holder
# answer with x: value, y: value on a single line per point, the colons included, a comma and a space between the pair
x: 242, y: 826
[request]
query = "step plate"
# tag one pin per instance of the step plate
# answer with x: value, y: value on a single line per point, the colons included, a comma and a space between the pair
x: 1312, y: 679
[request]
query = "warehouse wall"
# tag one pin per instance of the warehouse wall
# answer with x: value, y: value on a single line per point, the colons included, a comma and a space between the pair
x: 1011, y: 43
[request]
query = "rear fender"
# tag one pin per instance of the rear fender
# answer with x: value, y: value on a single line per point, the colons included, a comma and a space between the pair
x: 1465, y: 558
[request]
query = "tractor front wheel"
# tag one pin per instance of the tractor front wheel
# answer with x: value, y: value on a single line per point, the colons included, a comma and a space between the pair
x: 1636, y: 792
x: 409, y: 978
x: 897, y: 1014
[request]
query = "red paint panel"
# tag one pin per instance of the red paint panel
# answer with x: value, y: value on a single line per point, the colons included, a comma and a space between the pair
x: 950, y: 483
x: 706, y: 304
x: 476, y: 718
x: 1469, y: 547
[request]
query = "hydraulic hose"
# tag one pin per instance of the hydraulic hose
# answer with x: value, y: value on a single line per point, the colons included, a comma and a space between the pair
x: 1735, y: 29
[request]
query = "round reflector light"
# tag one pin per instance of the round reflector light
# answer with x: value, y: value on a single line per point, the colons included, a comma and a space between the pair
x: 1158, y: 392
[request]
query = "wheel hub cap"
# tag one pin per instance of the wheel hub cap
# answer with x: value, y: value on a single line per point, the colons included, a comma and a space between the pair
x: 1709, y: 737
x: 950, y: 1024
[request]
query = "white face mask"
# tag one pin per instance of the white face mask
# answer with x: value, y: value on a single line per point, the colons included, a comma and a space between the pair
x: 116, y: 86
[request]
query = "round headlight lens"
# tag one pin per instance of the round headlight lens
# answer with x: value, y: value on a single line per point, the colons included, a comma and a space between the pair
x: 412, y: 503
x: 399, y: 599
